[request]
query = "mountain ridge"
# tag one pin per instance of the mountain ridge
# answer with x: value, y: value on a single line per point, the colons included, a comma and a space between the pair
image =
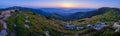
x: 72, y: 16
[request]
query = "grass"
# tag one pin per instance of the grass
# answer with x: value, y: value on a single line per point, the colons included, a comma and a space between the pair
x: 0, y: 27
x: 38, y: 25
x: 10, y: 22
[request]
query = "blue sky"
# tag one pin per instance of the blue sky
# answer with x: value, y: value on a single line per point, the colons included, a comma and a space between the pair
x: 60, y: 3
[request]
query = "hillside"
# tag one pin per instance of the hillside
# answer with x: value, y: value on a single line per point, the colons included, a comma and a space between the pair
x: 81, y: 15
x: 110, y: 16
x: 61, y: 14
x: 27, y: 23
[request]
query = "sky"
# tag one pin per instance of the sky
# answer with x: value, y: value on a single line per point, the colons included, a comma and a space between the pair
x: 60, y: 3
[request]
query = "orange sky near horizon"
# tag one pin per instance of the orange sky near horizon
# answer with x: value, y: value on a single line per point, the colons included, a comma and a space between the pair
x: 61, y: 3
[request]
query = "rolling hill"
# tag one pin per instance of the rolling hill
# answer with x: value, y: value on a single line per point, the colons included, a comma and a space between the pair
x: 26, y: 23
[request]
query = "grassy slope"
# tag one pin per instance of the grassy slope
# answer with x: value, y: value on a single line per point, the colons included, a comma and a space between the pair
x: 110, y: 17
x: 38, y: 25
x: 10, y: 22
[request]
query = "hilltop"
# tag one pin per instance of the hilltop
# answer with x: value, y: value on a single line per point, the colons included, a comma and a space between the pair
x: 27, y: 23
x: 54, y: 13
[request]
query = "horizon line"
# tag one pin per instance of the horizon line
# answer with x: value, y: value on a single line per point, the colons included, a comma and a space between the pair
x: 55, y: 7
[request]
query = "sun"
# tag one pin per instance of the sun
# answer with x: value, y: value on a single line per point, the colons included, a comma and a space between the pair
x: 66, y: 5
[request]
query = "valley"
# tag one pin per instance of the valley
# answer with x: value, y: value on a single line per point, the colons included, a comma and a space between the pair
x: 17, y: 21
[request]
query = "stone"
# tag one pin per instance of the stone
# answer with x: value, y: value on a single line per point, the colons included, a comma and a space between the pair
x: 26, y: 26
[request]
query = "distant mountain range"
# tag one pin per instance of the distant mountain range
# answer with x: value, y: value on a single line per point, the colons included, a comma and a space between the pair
x: 64, y: 14
x: 89, y: 14
x: 66, y: 11
x: 38, y: 11
x: 103, y: 15
x: 99, y: 11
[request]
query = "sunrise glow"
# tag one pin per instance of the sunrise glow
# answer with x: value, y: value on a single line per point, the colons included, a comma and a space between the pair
x: 61, y: 3
x: 67, y: 5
